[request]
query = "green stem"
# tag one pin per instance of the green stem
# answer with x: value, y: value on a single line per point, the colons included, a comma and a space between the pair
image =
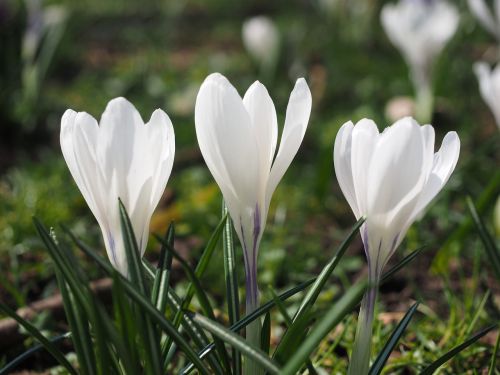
x: 360, y: 358
x: 252, y: 303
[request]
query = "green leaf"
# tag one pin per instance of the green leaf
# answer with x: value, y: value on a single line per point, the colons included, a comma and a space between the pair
x: 486, y: 199
x: 199, y: 271
x: 33, y: 331
x: 402, y: 263
x: 149, y: 337
x: 386, y: 351
x: 293, y: 335
x: 162, y: 275
x: 7, y: 369
x: 314, y: 292
x: 78, y: 322
x: 147, y: 307
x: 231, y: 278
x: 429, y: 370
x: 489, y: 243
x: 236, y: 341
x: 265, y: 333
x: 491, y: 370
x: 251, y: 317
x: 204, y: 302
x: 331, y: 318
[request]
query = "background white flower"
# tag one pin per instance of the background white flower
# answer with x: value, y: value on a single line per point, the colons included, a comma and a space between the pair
x: 420, y: 29
x: 261, y: 38
x: 120, y: 158
x: 490, y: 21
x: 489, y: 86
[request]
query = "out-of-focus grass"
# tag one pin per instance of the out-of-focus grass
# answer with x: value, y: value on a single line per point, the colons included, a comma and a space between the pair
x: 157, y: 54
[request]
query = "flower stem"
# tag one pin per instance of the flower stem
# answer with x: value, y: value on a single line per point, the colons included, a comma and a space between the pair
x: 252, y: 303
x: 360, y: 358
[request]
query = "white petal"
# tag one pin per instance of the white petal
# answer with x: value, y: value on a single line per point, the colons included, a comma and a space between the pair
x: 444, y: 163
x: 483, y: 14
x: 78, y: 143
x: 297, y: 118
x: 342, y: 163
x: 121, y: 130
x: 364, y: 138
x: 396, y: 174
x: 227, y: 142
x: 161, y: 146
x: 260, y: 108
x: 395, y: 179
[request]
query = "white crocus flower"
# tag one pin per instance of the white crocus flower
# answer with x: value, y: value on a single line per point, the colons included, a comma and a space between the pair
x: 389, y: 178
x: 261, y: 38
x: 420, y: 29
x: 238, y: 139
x: 489, y: 86
x: 120, y: 158
x: 490, y: 21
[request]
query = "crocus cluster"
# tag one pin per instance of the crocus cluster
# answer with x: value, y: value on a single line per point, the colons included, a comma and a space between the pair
x: 387, y: 177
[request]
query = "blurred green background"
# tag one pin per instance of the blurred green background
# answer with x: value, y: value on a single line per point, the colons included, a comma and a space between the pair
x: 61, y: 54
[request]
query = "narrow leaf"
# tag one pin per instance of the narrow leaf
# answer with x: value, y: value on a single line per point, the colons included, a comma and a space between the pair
x: 33, y: 331
x: 251, y: 317
x: 386, y: 351
x: 489, y: 243
x: 331, y: 318
x: 162, y: 275
x: 231, y: 279
x: 228, y: 336
x: 429, y: 370
x: 7, y: 369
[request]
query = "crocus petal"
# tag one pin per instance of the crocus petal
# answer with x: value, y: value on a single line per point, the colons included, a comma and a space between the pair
x: 78, y: 141
x: 343, y: 167
x: 297, y: 118
x: 444, y: 163
x: 483, y: 15
x: 396, y: 173
x: 260, y: 108
x: 364, y: 137
x: 228, y: 144
x: 160, y: 161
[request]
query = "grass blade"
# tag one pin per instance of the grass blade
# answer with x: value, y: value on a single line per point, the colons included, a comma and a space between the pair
x: 402, y: 263
x: 429, y: 370
x: 205, y: 304
x: 236, y: 341
x: 489, y: 243
x: 33, y: 331
x: 149, y: 337
x: 251, y: 317
x: 384, y: 354
x: 162, y: 275
x: 322, y: 278
x: 294, y: 333
x: 7, y: 369
x: 331, y: 318
x: 146, y: 306
x: 265, y: 333
x: 491, y: 370
x: 231, y: 278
